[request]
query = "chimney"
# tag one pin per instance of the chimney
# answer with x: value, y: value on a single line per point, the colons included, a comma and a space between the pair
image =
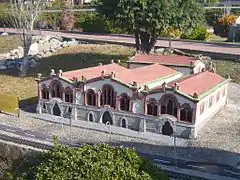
x: 39, y: 76
x: 60, y: 73
x: 119, y: 62
x: 134, y: 84
x: 164, y: 86
x: 176, y: 87
x: 102, y: 74
x: 195, y: 95
x: 113, y: 74
x: 52, y: 72
x: 112, y: 61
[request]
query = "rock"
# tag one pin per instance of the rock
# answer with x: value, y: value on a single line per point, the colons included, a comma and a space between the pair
x: 159, y: 50
x: 34, y: 49
x: 32, y: 62
x: 46, y: 38
x: 3, y: 67
x: 65, y: 44
x: 59, y: 38
x: 4, y: 34
x: 48, y: 54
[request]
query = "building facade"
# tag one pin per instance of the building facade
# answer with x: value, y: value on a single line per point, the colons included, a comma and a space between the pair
x: 151, y: 98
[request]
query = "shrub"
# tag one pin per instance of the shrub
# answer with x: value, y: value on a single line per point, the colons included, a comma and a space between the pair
x: 222, y: 25
x: 95, y: 22
x: 93, y: 162
x: 171, y: 32
x: 198, y: 33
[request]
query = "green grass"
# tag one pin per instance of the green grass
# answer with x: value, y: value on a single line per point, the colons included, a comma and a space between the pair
x: 232, y: 68
x: 8, y: 43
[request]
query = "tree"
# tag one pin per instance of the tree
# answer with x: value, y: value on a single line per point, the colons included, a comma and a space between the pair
x: 22, y: 17
x: 146, y: 19
x: 93, y: 163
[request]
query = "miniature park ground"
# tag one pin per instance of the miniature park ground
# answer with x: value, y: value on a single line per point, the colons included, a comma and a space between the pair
x: 222, y: 133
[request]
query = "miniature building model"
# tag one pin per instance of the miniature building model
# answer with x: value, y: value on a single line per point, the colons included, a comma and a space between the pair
x: 183, y: 64
x: 150, y: 98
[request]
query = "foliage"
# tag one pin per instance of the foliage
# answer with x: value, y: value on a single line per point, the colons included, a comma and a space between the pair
x: 147, y: 19
x: 171, y: 32
x: 198, y: 33
x: 211, y: 16
x: 93, y: 162
x: 222, y: 25
x: 67, y: 20
x: 95, y: 22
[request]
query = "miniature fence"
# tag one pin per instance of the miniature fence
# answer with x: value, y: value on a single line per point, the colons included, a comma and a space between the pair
x: 9, y: 104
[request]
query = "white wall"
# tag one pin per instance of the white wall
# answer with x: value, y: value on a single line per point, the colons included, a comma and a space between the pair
x: 199, y: 66
x: 159, y: 83
x: 117, y: 87
x: 209, y: 112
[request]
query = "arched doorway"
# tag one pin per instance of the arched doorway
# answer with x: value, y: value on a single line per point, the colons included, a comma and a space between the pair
x: 167, y: 129
x: 106, y: 117
x: 56, y: 110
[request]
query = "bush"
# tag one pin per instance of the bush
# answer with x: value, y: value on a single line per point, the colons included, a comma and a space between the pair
x: 171, y: 32
x: 198, y: 33
x: 95, y: 22
x: 222, y: 25
x: 211, y: 16
x: 98, y: 162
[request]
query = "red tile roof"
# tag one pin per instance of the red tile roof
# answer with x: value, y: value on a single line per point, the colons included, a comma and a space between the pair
x: 93, y: 72
x: 145, y: 74
x: 199, y: 83
x: 161, y: 59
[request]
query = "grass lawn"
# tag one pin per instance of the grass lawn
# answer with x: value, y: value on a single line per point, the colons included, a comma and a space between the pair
x: 8, y: 43
x: 80, y: 56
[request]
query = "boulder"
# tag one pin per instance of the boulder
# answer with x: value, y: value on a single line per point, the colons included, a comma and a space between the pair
x: 4, y: 34
x: 34, y: 49
x: 159, y: 50
x: 46, y: 38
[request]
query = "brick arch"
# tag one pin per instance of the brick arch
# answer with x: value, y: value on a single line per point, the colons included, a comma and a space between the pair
x: 44, y: 92
x: 91, y: 97
x: 152, y: 107
x: 124, y: 102
x: 108, y: 96
x: 56, y: 89
x: 169, y: 104
x: 186, y: 113
x: 68, y: 93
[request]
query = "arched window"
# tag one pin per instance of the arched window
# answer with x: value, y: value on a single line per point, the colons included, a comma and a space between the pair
x: 90, y: 117
x: 218, y: 96
x: 186, y: 114
x: 169, y: 105
x: 163, y: 110
x: 45, y: 94
x: 108, y: 96
x: 91, y: 98
x: 56, y: 89
x: 124, y: 123
x: 210, y: 101
x: 124, y: 103
x: 68, y: 95
x: 152, y: 109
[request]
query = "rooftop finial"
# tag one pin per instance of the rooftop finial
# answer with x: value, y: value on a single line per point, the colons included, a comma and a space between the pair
x: 195, y: 95
x: 52, y: 72
x: 60, y: 72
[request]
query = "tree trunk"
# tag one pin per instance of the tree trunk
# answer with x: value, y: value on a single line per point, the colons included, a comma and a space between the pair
x: 137, y: 41
x: 147, y: 42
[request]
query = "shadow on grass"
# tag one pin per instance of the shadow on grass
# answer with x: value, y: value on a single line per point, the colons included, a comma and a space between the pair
x: 29, y: 104
x: 68, y: 62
